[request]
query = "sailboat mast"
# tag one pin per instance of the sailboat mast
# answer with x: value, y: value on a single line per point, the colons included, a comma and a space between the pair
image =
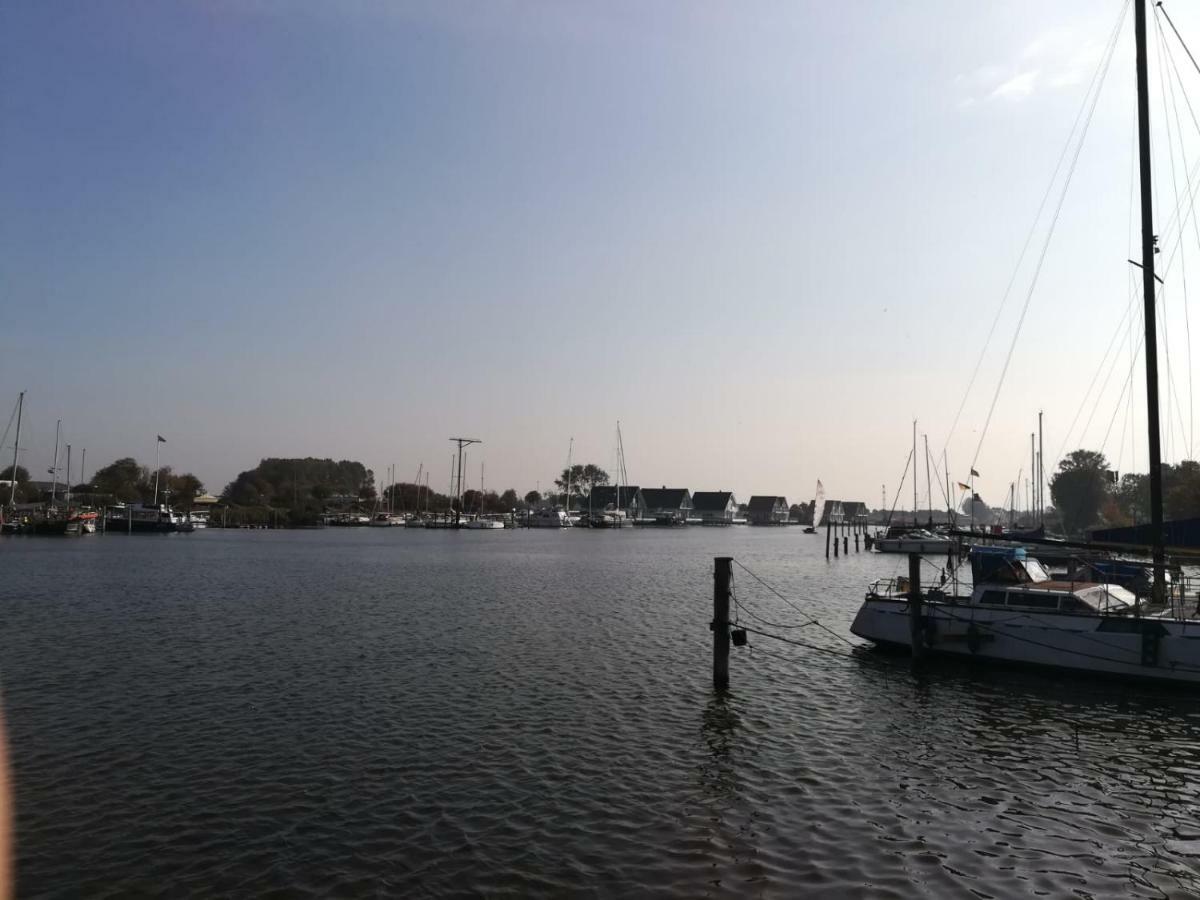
x: 914, y: 468
x: 1148, y: 250
x: 1033, y: 475
x: 54, y: 471
x: 1041, y: 475
x: 12, y: 496
x: 570, y: 453
x: 928, y: 480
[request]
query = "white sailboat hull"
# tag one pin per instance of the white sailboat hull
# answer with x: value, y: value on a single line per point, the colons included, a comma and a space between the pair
x: 1107, y: 645
x: 935, y: 545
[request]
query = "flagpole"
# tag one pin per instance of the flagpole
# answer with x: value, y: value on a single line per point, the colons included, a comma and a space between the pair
x: 156, y: 471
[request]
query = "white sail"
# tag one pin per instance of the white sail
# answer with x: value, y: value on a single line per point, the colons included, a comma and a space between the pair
x: 818, y: 504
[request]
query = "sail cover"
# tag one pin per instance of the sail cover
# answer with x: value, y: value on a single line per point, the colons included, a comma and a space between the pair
x: 818, y: 504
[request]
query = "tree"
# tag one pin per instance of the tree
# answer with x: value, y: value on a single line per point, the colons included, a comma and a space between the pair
x: 581, y: 476
x: 1181, y: 490
x: 125, y: 480
x: 1079, y: 489
x: 533, y: 498
x: 22, y: 474
x: 509, y: 500
x: 184, y: 489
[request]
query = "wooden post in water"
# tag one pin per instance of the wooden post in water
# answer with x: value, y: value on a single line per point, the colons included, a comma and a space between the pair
x: 846, y: 544
x: 915, y: 623
x: 827, y: 524
x: 722, y: 574
x: 837, y: 543
x: 855, y: 540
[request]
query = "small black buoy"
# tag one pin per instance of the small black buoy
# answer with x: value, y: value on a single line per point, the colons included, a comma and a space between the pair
x: 739, y: 637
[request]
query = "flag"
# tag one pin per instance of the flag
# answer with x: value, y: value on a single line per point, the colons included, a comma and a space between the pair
x: 973, y: 472
x: 161, y: 439
x: 963, y: 487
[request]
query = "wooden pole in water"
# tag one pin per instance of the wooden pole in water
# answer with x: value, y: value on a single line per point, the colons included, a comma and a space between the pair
x: 827, y: 524
x: 722, y: 575
x: 914, y: 605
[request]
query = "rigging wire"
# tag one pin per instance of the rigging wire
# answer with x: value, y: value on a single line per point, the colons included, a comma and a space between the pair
x: 1162, y: 86
x: 1174, y: 69
x: 1036, y: 219
x: 1106, y: 64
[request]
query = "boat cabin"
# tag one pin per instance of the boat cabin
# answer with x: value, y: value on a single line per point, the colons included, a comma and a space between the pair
x: 1009, y: 577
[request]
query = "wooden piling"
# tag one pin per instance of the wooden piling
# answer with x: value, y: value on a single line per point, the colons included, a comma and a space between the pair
x: 722, y: 575
x: 915, y: 620
x: 827, y: 532
x: 856, y: 540
x: 837, y: 543
x: 846, y: 545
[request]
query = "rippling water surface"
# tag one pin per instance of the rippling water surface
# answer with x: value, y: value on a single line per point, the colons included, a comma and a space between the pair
x: 406, y: 713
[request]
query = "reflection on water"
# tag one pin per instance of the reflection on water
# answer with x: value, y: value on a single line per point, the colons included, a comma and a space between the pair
x: 430, y: 714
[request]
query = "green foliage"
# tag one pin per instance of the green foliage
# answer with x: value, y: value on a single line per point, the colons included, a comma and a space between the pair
x: 291, y: 483
x: 1079, y: 489
x: 128, y: 481
x: 581, y: 479
x: 22, y: 474
x: 533, y: 498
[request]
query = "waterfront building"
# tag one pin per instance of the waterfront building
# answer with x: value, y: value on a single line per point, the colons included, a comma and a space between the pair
x: 714, y: 507
x: 768, y: 510
x: 605, y: 496
x: 668, y: 506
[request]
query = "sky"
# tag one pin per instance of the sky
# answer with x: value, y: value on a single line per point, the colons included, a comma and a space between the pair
x: 764, y: 237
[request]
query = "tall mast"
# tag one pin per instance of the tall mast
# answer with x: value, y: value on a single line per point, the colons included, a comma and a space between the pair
x: 461, y: 442
x: 68, y: 474
x: 1033, y: 501
x: 914, y: 467
x: 1041, y: 475
x: 928, y: 480
x: 1148, y: 250
x: 570, y: 453
x: 12, y: 497
x: 54, y: 471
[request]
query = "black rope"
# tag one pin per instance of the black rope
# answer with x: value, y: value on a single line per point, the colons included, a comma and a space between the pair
x: 792, y: 605
x: 805, y: 644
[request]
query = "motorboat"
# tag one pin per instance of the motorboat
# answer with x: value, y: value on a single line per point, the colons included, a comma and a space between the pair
x: 550, y: 518
x: 917, y: 540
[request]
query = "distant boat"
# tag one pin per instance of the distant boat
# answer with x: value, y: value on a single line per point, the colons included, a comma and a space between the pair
x: 550, y: 518
x: 818, y: 509
x: 483, y: 523
x: 914, y: 541
x: 140, y: 518
x: 387, y: 520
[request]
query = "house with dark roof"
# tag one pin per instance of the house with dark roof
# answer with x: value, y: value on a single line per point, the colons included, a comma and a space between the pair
x: 609, y: 497
x: 714, y: 507
x: 847, y: 512
x: 767, y: 510
x: 668, y: 506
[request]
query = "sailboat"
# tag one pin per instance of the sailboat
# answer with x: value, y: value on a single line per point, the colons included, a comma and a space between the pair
x: 1015, y: 612
x: 916, y: 539
x: 818, y: 509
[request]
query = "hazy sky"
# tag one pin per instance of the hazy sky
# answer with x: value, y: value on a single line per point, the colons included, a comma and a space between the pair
x: 763, y: 236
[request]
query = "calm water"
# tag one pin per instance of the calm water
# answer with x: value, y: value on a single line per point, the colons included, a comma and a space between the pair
x: 386, y: 713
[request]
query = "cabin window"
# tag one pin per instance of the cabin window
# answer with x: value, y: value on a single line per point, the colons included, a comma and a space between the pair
x: 995, y: 598
x: 1036, y: 601
x: 1075, y: 605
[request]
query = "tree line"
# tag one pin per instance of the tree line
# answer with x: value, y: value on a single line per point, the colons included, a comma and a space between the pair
x: 1088, y: 494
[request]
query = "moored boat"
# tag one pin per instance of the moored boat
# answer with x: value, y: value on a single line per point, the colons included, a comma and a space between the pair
x: 1016, y: 613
